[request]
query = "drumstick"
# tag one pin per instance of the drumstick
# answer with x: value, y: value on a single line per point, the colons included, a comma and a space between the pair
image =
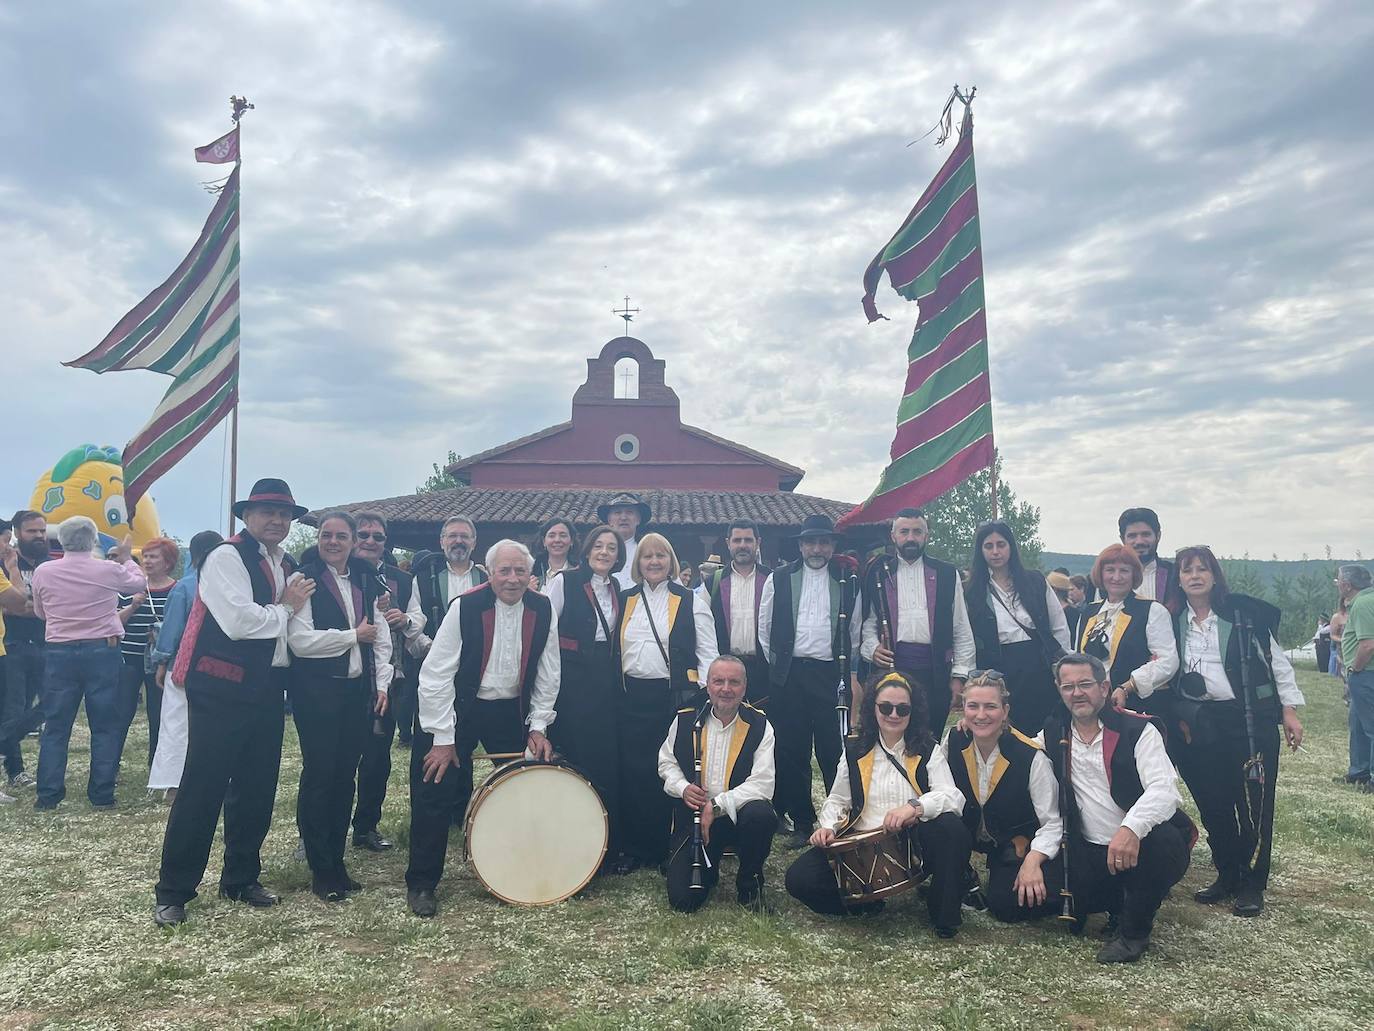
x: 497, y: 756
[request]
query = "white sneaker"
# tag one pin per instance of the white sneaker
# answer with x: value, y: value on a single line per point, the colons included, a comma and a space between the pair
x: 5, y: 799
x: 22, y: 780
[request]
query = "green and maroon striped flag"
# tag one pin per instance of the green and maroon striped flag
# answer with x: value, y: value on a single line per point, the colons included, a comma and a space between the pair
x: 188, y: 328
x: 944, y: 421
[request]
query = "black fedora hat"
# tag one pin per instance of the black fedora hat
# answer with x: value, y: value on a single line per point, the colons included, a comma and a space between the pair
x: 818, y: 526
x: 270, y: 491
x: 625, y: 500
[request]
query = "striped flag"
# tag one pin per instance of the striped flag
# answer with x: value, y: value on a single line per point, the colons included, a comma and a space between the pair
x: 188, y: 328
x: 944, y: 421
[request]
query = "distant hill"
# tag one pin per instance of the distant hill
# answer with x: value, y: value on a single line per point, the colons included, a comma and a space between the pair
x: 1266, y: 570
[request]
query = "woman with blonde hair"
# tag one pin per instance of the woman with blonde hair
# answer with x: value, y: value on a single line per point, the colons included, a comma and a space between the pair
x: 666, y: 641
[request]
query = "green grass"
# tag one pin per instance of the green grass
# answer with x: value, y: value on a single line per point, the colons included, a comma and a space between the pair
x: 78, y: 949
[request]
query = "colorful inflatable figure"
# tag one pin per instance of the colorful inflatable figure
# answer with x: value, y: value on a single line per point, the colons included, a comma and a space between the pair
x: 89, y: 481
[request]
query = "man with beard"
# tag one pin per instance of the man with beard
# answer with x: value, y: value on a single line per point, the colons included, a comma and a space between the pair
x: 406, y: 623
x: 920, y: 599
x: 626, y: 514
x: 801, y: 614
x: 735, y: 595
x: 439, y: 579
x: 20, y: 711
x: 1139, y: 529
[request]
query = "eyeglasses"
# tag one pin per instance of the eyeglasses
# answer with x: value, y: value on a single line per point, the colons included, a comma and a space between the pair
x: 1080, y: 685
x: 371, y: 535
x: 900, y: 708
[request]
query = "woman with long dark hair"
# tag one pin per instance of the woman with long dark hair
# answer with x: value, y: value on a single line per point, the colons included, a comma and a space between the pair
x: 586, y: 603
x: 1018, y: 624
x: 894, y: 777
x: 1230, y: 663
x: 553, y: 552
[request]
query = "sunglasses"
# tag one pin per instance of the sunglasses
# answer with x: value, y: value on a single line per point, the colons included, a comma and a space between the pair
x: 371, y: 535
x: 900, y: 708
x: 984, y: 674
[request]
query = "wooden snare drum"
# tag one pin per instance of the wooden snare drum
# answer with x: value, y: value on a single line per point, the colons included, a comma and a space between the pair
x: 874, y: 865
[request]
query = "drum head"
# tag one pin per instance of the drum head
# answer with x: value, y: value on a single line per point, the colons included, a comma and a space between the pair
x: 537, y: 833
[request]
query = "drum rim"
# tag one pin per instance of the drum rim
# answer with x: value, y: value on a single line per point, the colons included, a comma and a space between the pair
x: 481, y: 792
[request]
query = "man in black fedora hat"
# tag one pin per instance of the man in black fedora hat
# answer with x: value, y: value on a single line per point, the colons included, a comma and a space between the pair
x: 234, y: 661
x: 626, y: 514
x: 802, y: 611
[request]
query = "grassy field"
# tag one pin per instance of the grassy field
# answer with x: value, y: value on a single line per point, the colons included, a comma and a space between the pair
x: 78, y: 949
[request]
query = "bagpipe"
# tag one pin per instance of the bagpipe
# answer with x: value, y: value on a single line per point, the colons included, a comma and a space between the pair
x: 845, y: 568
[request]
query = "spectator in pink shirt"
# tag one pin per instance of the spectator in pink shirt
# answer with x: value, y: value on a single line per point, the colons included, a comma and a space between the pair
x: 78, y: 596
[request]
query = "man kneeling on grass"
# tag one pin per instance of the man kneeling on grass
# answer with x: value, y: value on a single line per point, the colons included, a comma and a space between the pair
x: 718, y: 761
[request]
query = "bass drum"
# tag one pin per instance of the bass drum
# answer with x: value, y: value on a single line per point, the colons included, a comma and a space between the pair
x: 536, y: 832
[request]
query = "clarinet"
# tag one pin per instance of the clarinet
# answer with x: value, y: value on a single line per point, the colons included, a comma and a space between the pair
x: 698, y: 849
x: 884, y: 616
x: 844, y: 701
x: 1066, y: 907
x: 382, y: 588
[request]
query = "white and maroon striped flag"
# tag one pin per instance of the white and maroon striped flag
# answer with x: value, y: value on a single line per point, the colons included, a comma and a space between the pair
x: 188, y: 328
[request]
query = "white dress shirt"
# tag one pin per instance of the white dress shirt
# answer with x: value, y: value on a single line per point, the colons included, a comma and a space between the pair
x: 889, y: 789
x: 409, y: 633
x: 813, y: 634
x: 1044, y: 793
x: 1147, y: 585
x: 460, y: 583
x: 1202, y: 654
x: 715, y: 754
x: 502, y: 676
x: 641, y: 656
x: 1008, y: 632
x: 743, y: 633
x: 626, y: 575
x: 913, y: 622
x: 225, y: 588
x: 1100, y: 816
x: 602, y: 586
x: 1159, y: 635
x: 307, y: 642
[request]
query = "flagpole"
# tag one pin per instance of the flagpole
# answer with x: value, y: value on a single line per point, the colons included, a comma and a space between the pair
x: 238, y: 106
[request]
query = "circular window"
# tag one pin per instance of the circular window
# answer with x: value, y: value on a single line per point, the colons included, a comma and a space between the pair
x: 627, y: 447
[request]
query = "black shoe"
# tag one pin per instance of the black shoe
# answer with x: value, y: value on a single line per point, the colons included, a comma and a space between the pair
x: 749, y: 894
x: 1346, y: 778
x: 349, y: 884
x: 946, y: 932
x: 1365, y: 787
x: 169, y: 916
x: 329, y: 891
x: 973, y: 890
x: 1123, y: 950
x: 801, y: 837
x: 45, y: 807
x: 253, y: 894
x: 784, y: 826
x: 372, y: 841
x: 422, y: 902
x: 1218, y: 891
x: 1249, y: 902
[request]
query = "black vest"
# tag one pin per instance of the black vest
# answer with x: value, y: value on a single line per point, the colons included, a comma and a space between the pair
x: 858, y: 762
x: 578, y: 622
x: 1133, y: 651
x: 431, y: 578
x: 477, y: 619
x: 754, y: 721
x: 328, y: 614
x: 718, y: 608
x: 946, y: 583
x: 783, y: 628
x: 1263, y: 620
x: 684, y: 679
x: 982, y: 618
x: 218, y: 662
x: 1008, y: 811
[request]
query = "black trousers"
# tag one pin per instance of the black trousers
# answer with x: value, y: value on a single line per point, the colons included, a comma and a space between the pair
x: 752, y: 838
x: 587, y: 730
x: 945, y: 850
x: 374, y: 768
x: 1135, y: 894
x: 19, y: 715
x: 1030, y: 684
x: 646, y: 710
x: 758, y: 681
x: 435, y: 807
x: 332, y: 718
x: 938, y: 698
x: 1213, y: 768
x: 1004, y: 865
x: 804, y: 717
x: 233, y: 756
x: 405, y: 705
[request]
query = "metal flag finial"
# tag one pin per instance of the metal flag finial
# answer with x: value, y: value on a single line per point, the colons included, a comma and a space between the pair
x: 239, y: 105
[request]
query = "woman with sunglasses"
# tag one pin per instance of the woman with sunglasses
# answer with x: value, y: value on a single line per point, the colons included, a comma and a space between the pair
x: 894, y: 777
x: 1018, y: 624
x: 553, y: 553
x: 1217, y: 683
x: 1011, y: 801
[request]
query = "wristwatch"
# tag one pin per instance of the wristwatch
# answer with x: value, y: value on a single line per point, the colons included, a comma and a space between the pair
x: 914, y: 802
x: 715, y: 808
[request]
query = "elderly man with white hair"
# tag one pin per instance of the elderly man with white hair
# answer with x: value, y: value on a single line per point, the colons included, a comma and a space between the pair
x: 492, y: 677
x: 78, y: 597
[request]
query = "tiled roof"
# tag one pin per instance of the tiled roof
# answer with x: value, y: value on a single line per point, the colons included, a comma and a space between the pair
x: 702, y: 508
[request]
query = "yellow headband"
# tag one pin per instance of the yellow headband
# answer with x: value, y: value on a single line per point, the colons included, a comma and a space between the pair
x: 893, y: 679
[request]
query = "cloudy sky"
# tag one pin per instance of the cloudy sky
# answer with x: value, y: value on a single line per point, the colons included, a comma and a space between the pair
x: 442, y: 203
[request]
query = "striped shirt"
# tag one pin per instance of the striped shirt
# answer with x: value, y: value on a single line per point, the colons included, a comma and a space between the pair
x: 151, y: 612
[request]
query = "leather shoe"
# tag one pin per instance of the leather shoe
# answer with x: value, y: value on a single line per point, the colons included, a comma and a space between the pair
x: 328, y: 891
x: 1123, y: 950
x: 169, y: 916
x: 1218, y: 891
x: 1347, y: 779
x: 422, y: 902
x: 253, y: 894
x: 750, y: 896
x: 801, y: 837
x: 946, y: 932
x: 1249, y: 902
x: 349, y: 884
x: 372, y: 841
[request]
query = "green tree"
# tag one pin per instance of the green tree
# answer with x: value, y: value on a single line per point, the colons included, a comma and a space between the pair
x: 955, y: 515
x: 1242, y: 576
x: 300, y: 538
x: 441, y: 478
